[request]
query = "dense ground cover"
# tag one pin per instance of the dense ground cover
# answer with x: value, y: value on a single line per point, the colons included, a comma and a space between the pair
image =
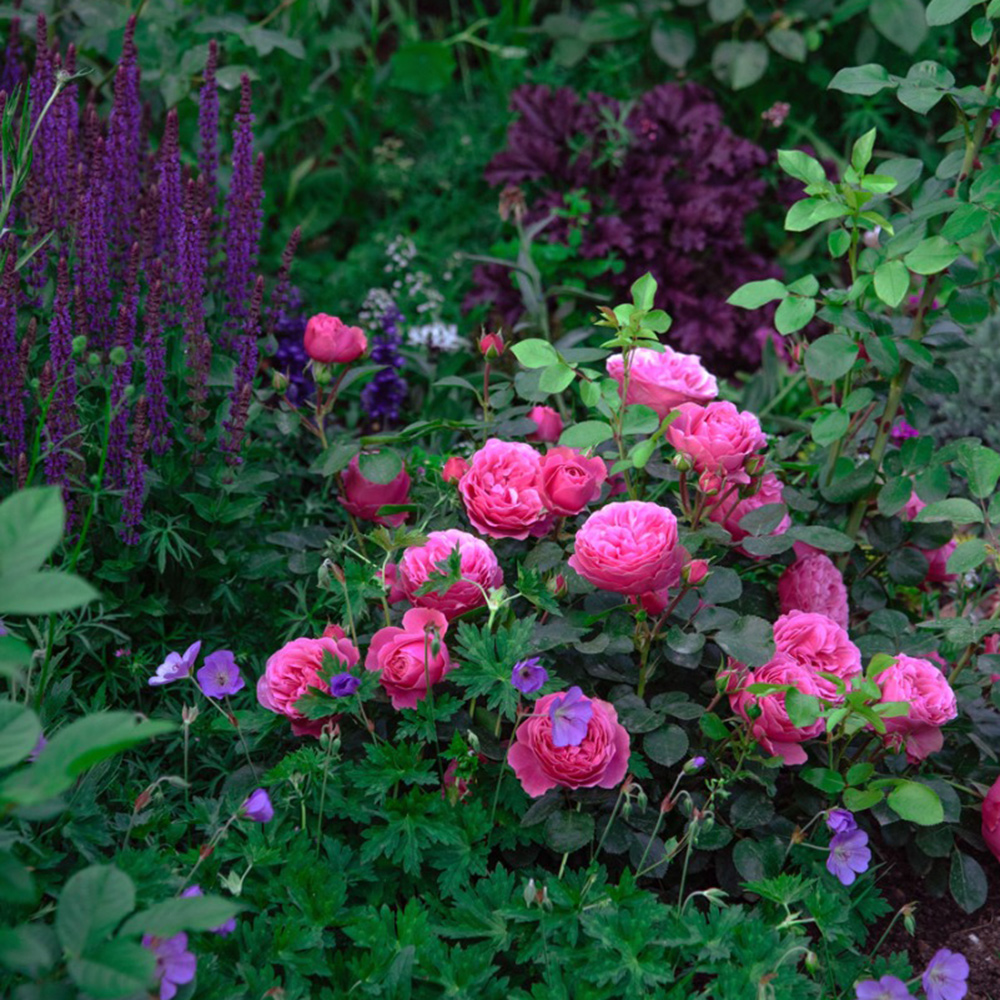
x: 489, y: 494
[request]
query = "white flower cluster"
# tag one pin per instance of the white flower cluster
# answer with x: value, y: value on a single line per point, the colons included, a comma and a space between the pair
x: 440, y: 336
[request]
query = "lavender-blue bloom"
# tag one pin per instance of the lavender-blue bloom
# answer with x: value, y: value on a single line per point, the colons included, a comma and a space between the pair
x: 570, y: 715
x: 176, y: 666
x: 886, y: 988
x: 849, y: 855
x: 945, y: 976
x: 175, y: 965
x: 344, y: 685
x: 529, y: 675
x: 220, y: 676
x: 258, y: 807
x: 386, y: 393
x: 841, y: 821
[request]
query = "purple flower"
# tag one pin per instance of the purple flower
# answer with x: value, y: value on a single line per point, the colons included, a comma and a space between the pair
x: 39, y: 746
x: 175, y: 965
x: 344, y: 685
x: 694, y: 764
x: 849, y: 856
x: 220, y: 675
x: 528, y: 676
x: 570, y: 715
x: 886, y: 988
x: 946, y: 975
x: 223, y: 930
x: 208, y: 121
x: 386, y: 393
x: 258, y: 807
x: 841, y: 821
x: 176, y: 667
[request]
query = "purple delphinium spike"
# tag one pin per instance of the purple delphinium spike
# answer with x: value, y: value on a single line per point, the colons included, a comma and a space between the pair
x: 93, y: 269
x: 11, y: 378
x: 192, y: 262
x: 160, y: 438
x: 171, y: 213
x: 240, y: 218
x: 135, y: 475
x: 386, y: 393
x: 12, y: 71
x: 208, y: 124
x: 124, y: 155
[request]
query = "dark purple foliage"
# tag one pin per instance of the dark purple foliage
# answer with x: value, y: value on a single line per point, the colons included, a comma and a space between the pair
x: 673, y: 200
x: 386, y: 393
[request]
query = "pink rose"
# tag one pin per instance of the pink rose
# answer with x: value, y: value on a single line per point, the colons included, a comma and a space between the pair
x: 819, y: 643
x: 772, y: 729
x: 491, y: 345
x: 991, y: 819
x: 923, y: 686
x: 454, y: 469
x: 293, y: 669
x: 601, y: 759
x: 363, y: 498
x: 813, y: 583
x: 331, y: 341
x: 937, y: 559
x: 717, y: 439
x: 411, y: 658
x: 696, y: 571
x: 548, y: 424
x: 480, y: 571
x: 730, y: 509
x: 629, y: 548
x: 501, y: 491
x: 569, y: 480
x: 663, y: 379
x: 391, y: 582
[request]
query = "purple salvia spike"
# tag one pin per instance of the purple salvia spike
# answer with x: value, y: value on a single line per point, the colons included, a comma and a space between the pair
x: 246, y: 368
x: 281, y: 298
x: 12, y: 74
x: 192, y: 264
x: 93, y: 268
x: 171, y: 213
x: 156, y: 366
x: 208, y: 124
x: 124, y: 153
x: 11, y: 377
x: 135, y: 484
x: 62, y: 423
x: 238, y: 272
x: 64, y: 158
x: 122, y: 372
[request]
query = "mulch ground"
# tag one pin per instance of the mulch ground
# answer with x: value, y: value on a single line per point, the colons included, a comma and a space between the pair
x: 942, y: 924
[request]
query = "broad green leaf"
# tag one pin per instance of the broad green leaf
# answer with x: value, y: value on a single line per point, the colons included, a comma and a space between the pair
x: 586, y: 434
x: 900, y: 22
x: 114, y: 970
x: 788, y: 43
x: 535, y: 353
x: 955, y: 509
x: 811, y: 212
x: 644, y: 291
x: 894, y: 496
x: 821, y: 537
x: 749, y: 640
x: 19, y: 732
x: 931, y: 255
x: 864, y: 80
x: 17, y: 885
x: 91, y: 905
x: 823, y: 778
x: 892, y: 282
x: 982, y: 469
x: 755, y: 294
x: 916, y: 803
x: 380, y: 467
x: 830, y: 427
x: 43, y: 593
x: 667, y: 745
x: 830, y: 357
x: 967, y: 882
x: 967, y: 556
x: 569, y: 831
x: 803, y: 709
x: 31, y: 524
x: 861, y: 152
x: 748, y: 65
x: 197, y: 913
x: 793, y: 314
x: 556, y: 377
x: 945, y: 11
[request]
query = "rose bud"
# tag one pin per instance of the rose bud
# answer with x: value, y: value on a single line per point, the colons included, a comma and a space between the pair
x: 331, y: 341
x: 454, y: 469
x: 695, y: 571
x: 491, y: 346
x: 548, y: 424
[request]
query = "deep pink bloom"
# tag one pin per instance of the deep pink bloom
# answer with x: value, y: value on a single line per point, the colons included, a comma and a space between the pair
x: 937, y: 559
x: 295, y: 668
x: 175, y: 965
x: 491, y: 345
x: 629, y: 548
x: 331, y: 341
x: 991, y: 819
x: 819, y: 643
x: 502, y: 492
x: 548, y: 424
x: 717, y: 439
x: 410, y: 659
x: 663, y: 380
x: 454, y: 469
x: 480, y: 572
x: 772, y: 728
x: 569, y: 480
x: 920, y: 684
x: 363, y: 498
x: 600, y: 759
x: 730, y: 509
x: 813, y: 583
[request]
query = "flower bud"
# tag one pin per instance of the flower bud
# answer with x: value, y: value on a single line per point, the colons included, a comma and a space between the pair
x: 189, y: 713
x: 454, y: 469
x: 118, y: 356
x: 709, y: 483
x: 79, y: 346
x: 530, y: 893
x: 491, y: 346
x: 279, y: 382
x: 871, y: 238
x: 681, y: 462
x: 811, y: 962
x: 322, y: 373
x: 753, y: 711
x: 556, y: 585
x: 910, y: 918
x: 93, y: 360
x: 695, y: 571
x: 694, y: 764
x: 755, y: 465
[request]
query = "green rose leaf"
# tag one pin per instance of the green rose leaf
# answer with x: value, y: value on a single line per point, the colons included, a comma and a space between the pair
x: 916, y: 803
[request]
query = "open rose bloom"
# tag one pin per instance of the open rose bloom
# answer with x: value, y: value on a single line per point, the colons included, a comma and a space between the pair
x: 717, y: 439
x: 663, y: 380
x: 813, y: 583
x: 480, y: 572
x: 600, y: 760
x: 922, y: 685
x: 502, y: 491
x: 295, y: 668
x: 412, y: 658
x: 363, y: 498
